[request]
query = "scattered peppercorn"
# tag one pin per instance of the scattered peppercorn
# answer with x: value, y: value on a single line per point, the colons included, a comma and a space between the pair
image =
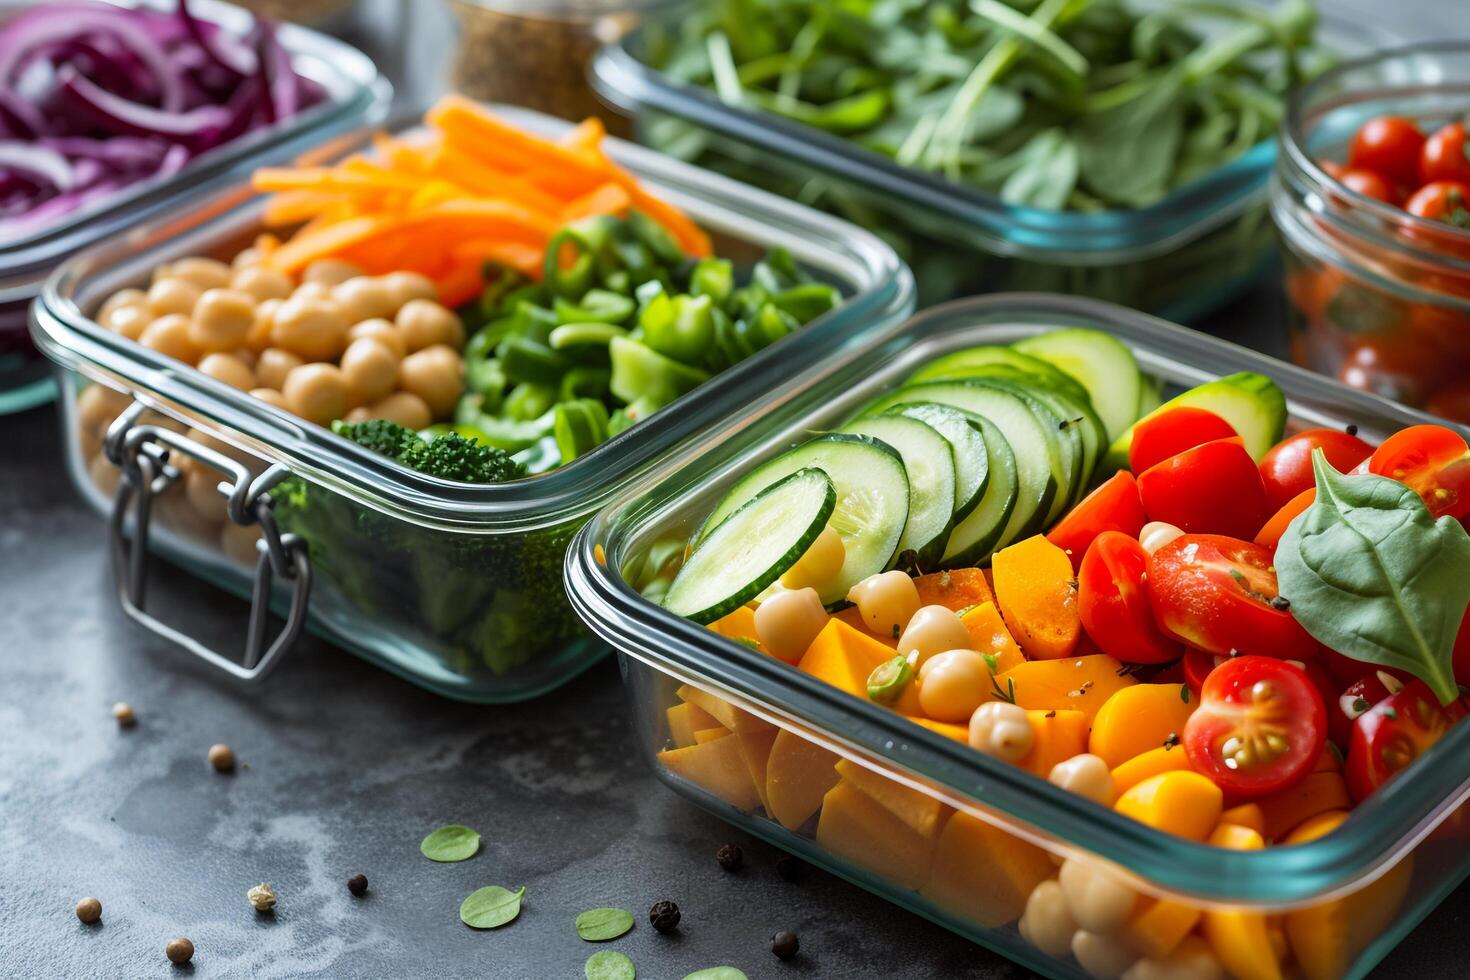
x: 1280, y: 603
x: 263, y: 897
x: 124, y: 714
x: 357, y: 885
x: 1352, y: 428
x: 664, y: 916
x: 789, y: 868
x: 1171, y: 741
x: 730, y: 856
x: 784, y: 945
x: 89, y: 910
x: 179, y: 951
x: 222, y: 757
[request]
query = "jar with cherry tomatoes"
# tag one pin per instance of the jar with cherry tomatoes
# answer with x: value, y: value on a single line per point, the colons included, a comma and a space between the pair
x: 1371, y: 196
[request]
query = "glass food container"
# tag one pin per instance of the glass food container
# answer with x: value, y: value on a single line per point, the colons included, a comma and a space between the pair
x: 456, y: 587
x: 356, y: 94
x: 1180, y: 258
x: 1376, y: 296
x: 949, y: 833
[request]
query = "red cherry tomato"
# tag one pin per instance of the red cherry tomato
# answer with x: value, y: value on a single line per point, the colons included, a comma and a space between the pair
x: 1391, y: 146
x: 1113, y: 602
x: 1269, y: 536
x: 1331, y: 168
x: 1197, y: 667
x: 1114, y: 506
x: 1287, y: 469
x: 1167, y: 433
x: 1393, y: 733
x: 1345, y: 709
x: 1432, y: 460
x: 1347, y: 671
x: 1368, y: 184
x: 1259, y: 728
x: 1215, y: 488
x: 1444, y: 156
x: 1442, y: 200
x: 1214, y: 593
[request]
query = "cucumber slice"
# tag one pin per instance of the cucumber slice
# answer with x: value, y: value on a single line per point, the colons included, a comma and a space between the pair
x: 929, y: 462
x: 1250, y: 402
x: 1005, y: 363
x: 1067, y: 458
x: 872, y: 500
x: 971, y: 472
x: 974, y: 539
x: 1078, y: 416
x: 752, y: 547
x: 1150, y: 395
x: 1037, y: 451
x: 1105, y: 367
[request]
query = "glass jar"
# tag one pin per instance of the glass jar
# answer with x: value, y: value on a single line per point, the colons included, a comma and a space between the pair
x: 1376, y: 297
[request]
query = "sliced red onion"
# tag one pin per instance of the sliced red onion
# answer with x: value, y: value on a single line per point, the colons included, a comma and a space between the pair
x: 37, y: 161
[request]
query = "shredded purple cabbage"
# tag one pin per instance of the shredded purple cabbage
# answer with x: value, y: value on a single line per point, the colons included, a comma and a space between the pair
x: 96, y: 97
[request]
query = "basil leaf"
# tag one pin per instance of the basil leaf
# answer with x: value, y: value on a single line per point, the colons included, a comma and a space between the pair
x: 490, y: 907
x: 451, y: 843
x: 1371, y: 574
x: 609, y: 965
x: 600, y: 925
x: 717, y: 973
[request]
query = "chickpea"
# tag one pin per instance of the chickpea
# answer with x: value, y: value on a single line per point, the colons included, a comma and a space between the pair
x: 886, y: 601
x: 271, y: 397
x: 259, y: 337
x: 201, y: 487
x: 204, y: 273
x: 222, y: 319
x: 229, y: 369
x: 364, y: 298
x: 361, y: 413
x: 789, y: 621
x: 262, y: 283
x: 1156, y: 534
x: 97, y: 406
x: 314, y: 290
x: 379, y: 329
x: 370, y: 369
x: 316, y: 392
x: 404, y: 286
x: 1046, y: 923
x: 273, y: 366
x: 819, y: 564
x: 1192, y: 959
x: 953, y: 684
x: 174, y: 511
x: 246, y: 258
x: 330, y: 271
x: 122, y: 299
x: 425, y: 323
x: 130, y: 321
x: 435, y: 374
x: 104, y: 475
x: 313, y: 328
x: 238, y: 542
x: 245, y: 356
x: 405, y: 408
x: 931, y: 630
x: 169, y: 335
x: 173, y: 296
x: 1086, y: 775
x: 1097, y: 896
x: 1001, y: 729
x: 1103, y: 957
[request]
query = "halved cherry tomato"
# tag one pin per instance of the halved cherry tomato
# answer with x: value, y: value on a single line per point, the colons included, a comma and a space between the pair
x: 1214, y: 593
x: 1433, y: 461
x: 1287, y: 469
x: 1391, y: 146
x: 1269, y: 536
x: 1113, y: 602
x: 1354, y: 702
x: 1369, y: 184
x: 1215, y: 488
x: 1443, y: 156
x: 1156, y: 439
x: 1114, y: 506
x: 1347, y: 671
x: 1259, y: 728
x: 1395, y: 732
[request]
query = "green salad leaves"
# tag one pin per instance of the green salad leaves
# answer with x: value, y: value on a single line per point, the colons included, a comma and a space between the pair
x: 491, y: 907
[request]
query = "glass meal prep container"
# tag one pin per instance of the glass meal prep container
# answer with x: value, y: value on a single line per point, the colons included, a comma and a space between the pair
x: 1180, y: 258
x: 1376, y: 296
x: 949, y: 833
x: 356, y: 95
x: 497, y: 626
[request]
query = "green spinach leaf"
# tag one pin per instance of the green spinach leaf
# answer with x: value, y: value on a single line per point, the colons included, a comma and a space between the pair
x: 451, y: 843
x: 717, y: 973
x: 600, y: 925
x: 609, y: 965
x: 491, y: 907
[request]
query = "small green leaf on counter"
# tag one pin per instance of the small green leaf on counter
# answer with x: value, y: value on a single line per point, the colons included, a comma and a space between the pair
x: 601, y: 925
x: 491, y: 907
x: 609, y: 965
x: 1371, y: 574
x: 451, y: 843
x: 717, y: 973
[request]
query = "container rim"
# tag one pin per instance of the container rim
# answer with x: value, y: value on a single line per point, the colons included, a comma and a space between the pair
x: 1103, y: 238
x: 1377, y: 833
x: 879, y: 288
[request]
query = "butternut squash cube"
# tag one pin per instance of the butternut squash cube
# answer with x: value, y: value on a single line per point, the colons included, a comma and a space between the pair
x: 920, y: 811
x: 1240, y: 938
x: 738, y: 625
x: 1158, y: 925
x: 755, y: 750
x: 1076, y: 684
x: 960, y: 733
x: 1037, y: 593
x: 956, y: 589
x: 716, y: 767
x: 1139, y: 719
x: 799, y: 772
x: 1150, y: 763
x: 1182, y: 802
x: 723, y: 712
x: 856, y: 828
x: 1060, y: 734
x: 983, y: 874
x: 989, y: 636
x: 852, y: 617
x: 710, y: 734
x: 844, y: 657
x: 1246, y: 815
x: 684, y: 720
x: 1317, y: 792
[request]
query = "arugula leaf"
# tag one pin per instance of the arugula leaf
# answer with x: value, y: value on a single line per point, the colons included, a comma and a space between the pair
x: 1371, y: 574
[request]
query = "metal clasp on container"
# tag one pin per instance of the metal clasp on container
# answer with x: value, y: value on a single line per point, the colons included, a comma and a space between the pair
x: 141, y: 452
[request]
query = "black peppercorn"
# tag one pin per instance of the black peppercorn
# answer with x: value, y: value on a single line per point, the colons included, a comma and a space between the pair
x: 664, y: 916
x: 730, y: 856
x: 1280, y: 602
x: 1352, y: 428
x: 784, y: 945
x: 789, y: 868
x: 357, y: 885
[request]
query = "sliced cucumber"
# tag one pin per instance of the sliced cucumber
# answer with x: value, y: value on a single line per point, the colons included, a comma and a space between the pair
x: 1006, y: 363
x: 928, y: 461
x: 1078, y: 416
x: 1103, y: 365
x: 1150, y: 395
x: 872, y: 500
x: 1037, y: 451
x: 971, y: 471
x: 752, y: 547
x: 974, y: 539
x: 1067, y: 456
x: 1250, y: 402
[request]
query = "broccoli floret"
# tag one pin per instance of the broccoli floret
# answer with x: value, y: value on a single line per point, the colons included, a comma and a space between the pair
x: 448, y: 456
